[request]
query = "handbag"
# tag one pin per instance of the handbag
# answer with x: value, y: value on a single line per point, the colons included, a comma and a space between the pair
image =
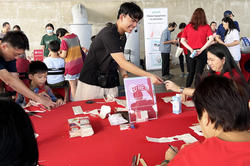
x: 178, y: 52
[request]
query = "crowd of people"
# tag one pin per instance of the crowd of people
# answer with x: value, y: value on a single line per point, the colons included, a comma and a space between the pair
x: 194, y: 39
x: 96, y: 75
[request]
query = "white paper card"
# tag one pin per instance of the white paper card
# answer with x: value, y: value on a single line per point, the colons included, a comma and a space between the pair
x: 116, y: 119
x: 121, y: 102
x: 167, y: 99
x: 187, y: 138
x: 197, y: 129
x: 189, y: 103
x: 104, y: 111
x: 77, y: 110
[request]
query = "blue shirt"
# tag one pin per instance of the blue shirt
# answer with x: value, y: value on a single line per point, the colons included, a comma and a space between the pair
x: 165, y: 36
x: 221, y: 31
x: 10, y: 66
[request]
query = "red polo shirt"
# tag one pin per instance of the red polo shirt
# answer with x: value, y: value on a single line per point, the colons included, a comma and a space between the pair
x: 196, y: 38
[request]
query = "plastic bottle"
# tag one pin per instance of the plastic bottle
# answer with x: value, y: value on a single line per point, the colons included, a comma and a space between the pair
x: 176, y: 104
x: 193, y: 54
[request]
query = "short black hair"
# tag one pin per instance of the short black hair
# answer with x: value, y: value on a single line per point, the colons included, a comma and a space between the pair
x: 54, y: 46
x: 5, y: 23
x: 172, y: 24
x: 16, y: 39
x: 49, y: 25
x: 213, y: 22
x: 18, y: 143
x: 130, y: 8
x: 182, y: 25
x: 17, y: 26
x: 226, y: 102
x: 60, y: 32
x: 36, y: 67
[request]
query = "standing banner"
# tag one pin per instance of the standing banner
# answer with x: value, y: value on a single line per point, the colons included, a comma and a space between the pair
x: 155, y: 21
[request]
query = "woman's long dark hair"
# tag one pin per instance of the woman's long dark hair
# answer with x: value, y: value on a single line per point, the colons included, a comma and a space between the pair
x: 221, y: 51
x: 198, y: 18
x: 231, y: 24
x: 18, y: 146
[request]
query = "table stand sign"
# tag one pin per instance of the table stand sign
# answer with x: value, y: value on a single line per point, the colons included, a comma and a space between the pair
x: 38, y: 55
x: 140, y: 97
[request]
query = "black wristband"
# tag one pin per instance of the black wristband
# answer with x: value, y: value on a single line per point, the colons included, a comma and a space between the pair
x: 165, y: 161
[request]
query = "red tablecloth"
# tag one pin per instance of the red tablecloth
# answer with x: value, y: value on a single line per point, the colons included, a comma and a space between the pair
x: 108, y: 146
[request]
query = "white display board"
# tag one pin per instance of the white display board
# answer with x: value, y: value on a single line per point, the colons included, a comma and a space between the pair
x: 155, y: 21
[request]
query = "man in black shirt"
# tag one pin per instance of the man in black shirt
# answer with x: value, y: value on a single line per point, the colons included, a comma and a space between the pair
x: 99, y: 75
x: 14, y: 44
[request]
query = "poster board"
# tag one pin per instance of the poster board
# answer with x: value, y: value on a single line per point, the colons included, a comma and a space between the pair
x: 155, y: 21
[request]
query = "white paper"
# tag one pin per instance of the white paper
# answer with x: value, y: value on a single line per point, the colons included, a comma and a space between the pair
x: 94, y: 112
x: 38, y: 111
x: 155, y: 108
x: 121, y: 102
x: 167, y: 99
x: 187, y: 138
x: 77, y: 110
x: 144, y: 114
x: 197, y: 129
x: 121, y: 109
x: 116, y: 119
x: 104, y: 111
x: 189, y: 103
x: 109, y: 98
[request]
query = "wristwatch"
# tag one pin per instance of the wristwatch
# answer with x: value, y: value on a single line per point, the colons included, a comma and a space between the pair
x: 181, y: 89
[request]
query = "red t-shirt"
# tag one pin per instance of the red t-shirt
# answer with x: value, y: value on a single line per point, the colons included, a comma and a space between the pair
x: 196, y: 38
x: 213, y: 151
x: 181, y: 45
x: 227, y: 74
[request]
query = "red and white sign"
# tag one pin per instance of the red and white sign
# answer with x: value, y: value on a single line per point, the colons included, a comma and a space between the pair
x: 38, y: 55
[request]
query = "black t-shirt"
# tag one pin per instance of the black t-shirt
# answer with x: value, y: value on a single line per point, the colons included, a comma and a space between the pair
x: 8, y: 65
x: 99, y: 64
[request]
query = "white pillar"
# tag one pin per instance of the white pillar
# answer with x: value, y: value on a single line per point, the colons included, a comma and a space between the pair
x: 80, y: 25
x: 133, y: 44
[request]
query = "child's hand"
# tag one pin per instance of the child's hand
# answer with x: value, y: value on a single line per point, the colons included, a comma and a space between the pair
x: 44, y: 94
x: 59, y: 102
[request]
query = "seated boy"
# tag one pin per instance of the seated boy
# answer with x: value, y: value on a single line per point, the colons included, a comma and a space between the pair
x: 54, y: 61
x: 38, y: 76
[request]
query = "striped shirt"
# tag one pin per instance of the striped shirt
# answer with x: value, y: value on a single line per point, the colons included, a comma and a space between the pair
x: 73, y: 60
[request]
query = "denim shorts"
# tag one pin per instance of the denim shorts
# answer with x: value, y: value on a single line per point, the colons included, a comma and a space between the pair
x: 72, y: 77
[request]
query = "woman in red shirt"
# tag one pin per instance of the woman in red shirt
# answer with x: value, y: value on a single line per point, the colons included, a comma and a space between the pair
x: 194, y: 37
x: 220, y: 62
x: 224, y: 117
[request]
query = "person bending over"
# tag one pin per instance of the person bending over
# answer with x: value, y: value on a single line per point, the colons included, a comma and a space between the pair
x: 13, y: 45
x: 99, y: 75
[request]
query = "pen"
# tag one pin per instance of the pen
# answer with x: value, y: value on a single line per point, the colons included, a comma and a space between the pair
x: 172, y: 148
